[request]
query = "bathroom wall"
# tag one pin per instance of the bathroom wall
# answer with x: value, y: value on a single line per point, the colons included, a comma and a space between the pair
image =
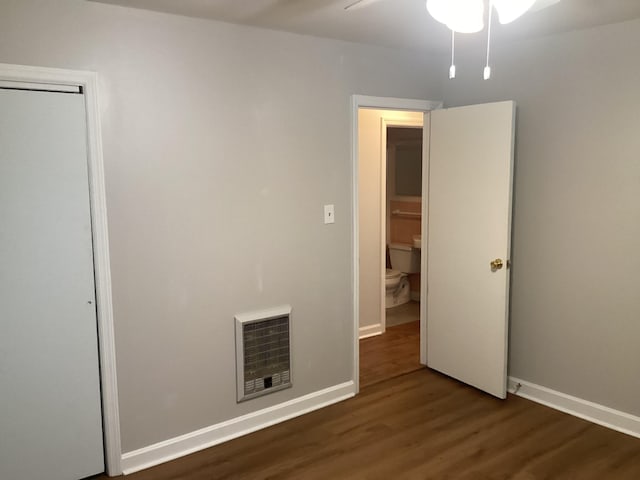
x: 372, y: 213
x: 576, y: 228
x: 222, y: 143
x: 402, y: 229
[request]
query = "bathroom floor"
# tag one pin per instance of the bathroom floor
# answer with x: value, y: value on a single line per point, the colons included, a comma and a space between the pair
x: 394, y: 353
x: 409, y: 312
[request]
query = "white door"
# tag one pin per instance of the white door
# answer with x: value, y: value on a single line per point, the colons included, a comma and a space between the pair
x: 50, y: 414
x: 469, y: 227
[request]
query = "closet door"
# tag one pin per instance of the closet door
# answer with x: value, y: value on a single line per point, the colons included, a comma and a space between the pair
x: 50, y: 412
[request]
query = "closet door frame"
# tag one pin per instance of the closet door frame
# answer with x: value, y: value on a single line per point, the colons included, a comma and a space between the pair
x: 52, y: 78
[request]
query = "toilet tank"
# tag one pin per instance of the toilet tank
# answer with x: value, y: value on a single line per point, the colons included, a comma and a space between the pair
x: 404, y: 258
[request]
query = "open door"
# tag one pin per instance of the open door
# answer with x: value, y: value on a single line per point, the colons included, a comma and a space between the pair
x: 470, y: 168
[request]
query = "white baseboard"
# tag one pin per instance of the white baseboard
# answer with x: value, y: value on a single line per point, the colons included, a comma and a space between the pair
x: 593, y: 412
x: 370, y: 331
x: 207, y: 437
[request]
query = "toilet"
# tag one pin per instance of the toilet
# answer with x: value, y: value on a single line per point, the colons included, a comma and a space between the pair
x: 405, y: 259
x: 397, y: 288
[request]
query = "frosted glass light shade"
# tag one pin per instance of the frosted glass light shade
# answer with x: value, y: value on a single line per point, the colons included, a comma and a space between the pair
x: 440, y: 10
x: 509, y: 10
x: 462, y: 16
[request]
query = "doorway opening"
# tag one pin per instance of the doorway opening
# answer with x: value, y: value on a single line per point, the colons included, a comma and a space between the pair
x: 390, y: 144
x: 468, y: 159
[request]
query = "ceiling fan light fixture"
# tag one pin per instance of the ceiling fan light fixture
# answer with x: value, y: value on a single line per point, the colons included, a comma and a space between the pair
x: 462, y: 16
x: 510, y: 10
x: 440, y: 10
x: 467, y: 16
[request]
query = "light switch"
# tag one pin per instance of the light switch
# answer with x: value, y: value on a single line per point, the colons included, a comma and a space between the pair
x: 329, y: 214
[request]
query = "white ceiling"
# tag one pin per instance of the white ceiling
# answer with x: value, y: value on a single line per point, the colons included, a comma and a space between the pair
x: 391, y: 23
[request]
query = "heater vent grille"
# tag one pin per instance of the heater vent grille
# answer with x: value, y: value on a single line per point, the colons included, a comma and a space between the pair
x: 263, y: 352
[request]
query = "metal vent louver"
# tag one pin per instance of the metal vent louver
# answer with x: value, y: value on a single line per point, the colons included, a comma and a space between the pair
x: 263, y: 353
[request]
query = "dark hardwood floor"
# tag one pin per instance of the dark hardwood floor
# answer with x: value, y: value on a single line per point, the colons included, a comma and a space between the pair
x: 418, y: 425
x: 395, y: 352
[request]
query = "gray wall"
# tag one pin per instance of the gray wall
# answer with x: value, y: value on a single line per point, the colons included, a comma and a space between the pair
x: 575, y: 323
x: 221, y: 145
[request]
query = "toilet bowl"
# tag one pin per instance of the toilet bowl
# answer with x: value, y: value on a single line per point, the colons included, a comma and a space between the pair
x: 396, y: 288
x: 392, y: 279
x: 405, y: 259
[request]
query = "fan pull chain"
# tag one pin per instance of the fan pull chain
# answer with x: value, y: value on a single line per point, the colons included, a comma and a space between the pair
x: 487, y: 68
x: 452, y: 68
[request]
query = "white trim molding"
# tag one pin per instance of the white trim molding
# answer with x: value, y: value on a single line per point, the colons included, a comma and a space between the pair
x: 88, y: 81
x: 578, y: 407
x: 424, y: 232
x: 393, y: 103
x: 215, y: 434
x: 370, y: 331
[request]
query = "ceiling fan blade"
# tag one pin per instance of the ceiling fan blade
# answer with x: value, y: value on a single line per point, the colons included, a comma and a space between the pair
x: 360, y: 4
x: 540, y: 4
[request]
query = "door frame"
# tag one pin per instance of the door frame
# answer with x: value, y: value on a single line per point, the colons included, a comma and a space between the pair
x: 381, y: 103
x: 88, y: 81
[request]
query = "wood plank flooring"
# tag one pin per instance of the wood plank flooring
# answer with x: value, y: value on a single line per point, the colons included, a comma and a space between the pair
x: 420, y: 425
x: 395, y: 352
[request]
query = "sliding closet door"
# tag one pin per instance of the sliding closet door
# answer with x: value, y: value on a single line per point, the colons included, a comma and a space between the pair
x: 50, y: 413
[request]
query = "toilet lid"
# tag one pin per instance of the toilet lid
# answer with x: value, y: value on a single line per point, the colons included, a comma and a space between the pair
x: 392, y: 274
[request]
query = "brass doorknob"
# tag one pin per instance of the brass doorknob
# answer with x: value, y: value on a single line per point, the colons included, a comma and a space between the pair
x: 496, y: 264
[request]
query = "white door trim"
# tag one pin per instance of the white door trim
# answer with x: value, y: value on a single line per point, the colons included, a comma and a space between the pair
x: 108, y: 380
x: 424, y: 232
x: 365, y: 101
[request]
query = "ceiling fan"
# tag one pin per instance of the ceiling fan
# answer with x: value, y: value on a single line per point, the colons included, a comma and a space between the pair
x: 467, y: 16
x: 533, y: 4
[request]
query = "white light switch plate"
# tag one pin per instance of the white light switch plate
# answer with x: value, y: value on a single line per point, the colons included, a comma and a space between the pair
x: 329, y: 214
